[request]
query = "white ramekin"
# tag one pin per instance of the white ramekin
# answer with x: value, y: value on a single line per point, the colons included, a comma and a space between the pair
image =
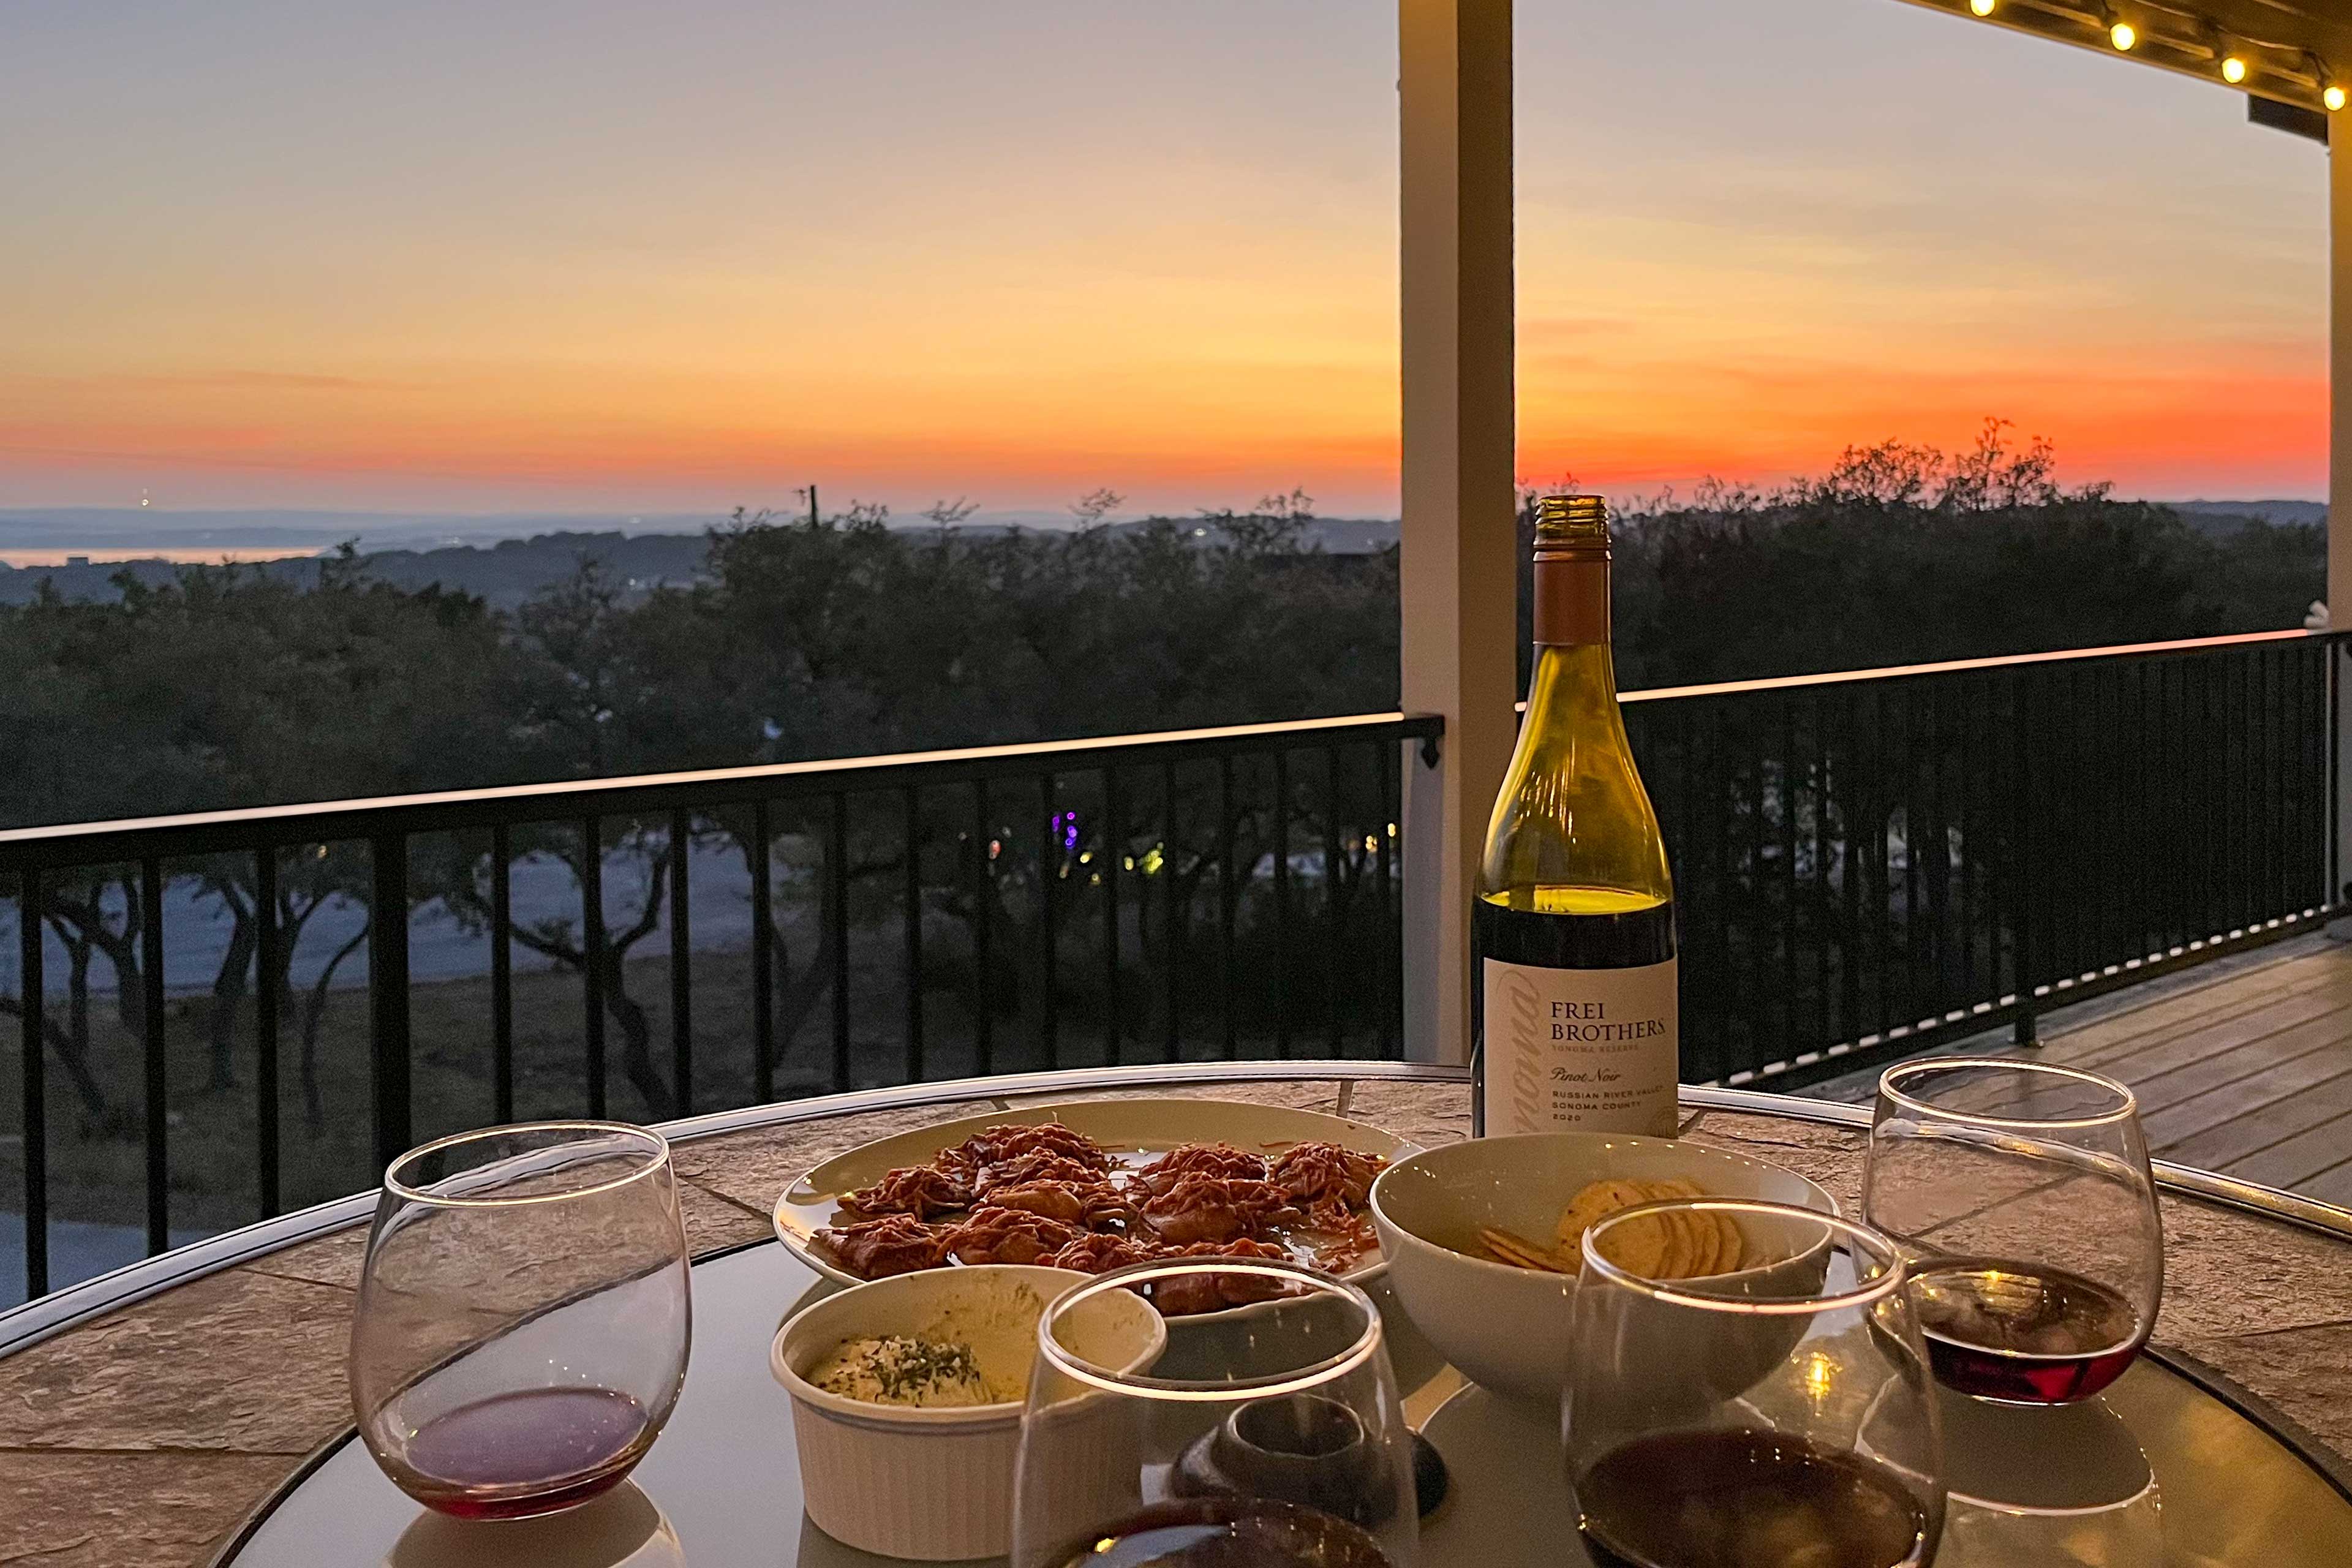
x: 932, y: 1484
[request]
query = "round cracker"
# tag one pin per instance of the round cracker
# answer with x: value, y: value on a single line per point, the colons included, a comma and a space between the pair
x: 1681, y: 1260
x: 1700, y: 1243
x: 1593, y: 1202
x: 1734, y: 1255
x: 1707, y: 1244
x: 1639, y: 1246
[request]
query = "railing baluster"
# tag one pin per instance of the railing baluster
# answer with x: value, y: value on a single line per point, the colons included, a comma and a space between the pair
x: 1716, y: 1062
x: 1052, y: 860
x: 502, y: 974
x: 267, y: 968
x: 592, y: 957
x: 1281, y: 902
x: 32, y: 992
x: 1824, y: 1027
x: 912, y: 897
x: 158, y: 1079
x: 1937, y: 867
x: 2273, y: 799
x: 1788, y: 774
x: 2329, y: 804
x: 2022, y: 818
x: 1226, y: 895
x: 1175, y: 916
x: 764, y: 960
x: 1388, y: 761
x: 1914, y: 798
x: 837, y: 917
x: 1334, y: 947
x: 2172, y: 692
x: 388, y: 994
x: 983, y: 982
x: 681, y: 961
x: 1114, y: 843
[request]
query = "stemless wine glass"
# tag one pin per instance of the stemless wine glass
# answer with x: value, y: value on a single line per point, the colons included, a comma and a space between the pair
x: 1268, y: 1432
x: 523, y: 1317
x: 1779, y: 1415
x: 2021, y: 1193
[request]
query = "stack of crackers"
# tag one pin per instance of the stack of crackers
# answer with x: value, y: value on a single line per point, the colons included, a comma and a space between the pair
x: 1673, y: 1245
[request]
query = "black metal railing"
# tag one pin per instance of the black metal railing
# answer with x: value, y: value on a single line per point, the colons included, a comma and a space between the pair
x: 1866, y: 861
x: 1207, y: 894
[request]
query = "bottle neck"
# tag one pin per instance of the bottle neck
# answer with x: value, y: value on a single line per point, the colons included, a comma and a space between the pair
x: 1571, y: 601
x: 1573, y: 684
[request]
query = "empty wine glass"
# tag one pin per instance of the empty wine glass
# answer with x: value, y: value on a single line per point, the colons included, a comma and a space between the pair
x: 523, y: 1317
x: 2021, y: 1193
x: 1268, y: 1432
x: 1779, y: 1417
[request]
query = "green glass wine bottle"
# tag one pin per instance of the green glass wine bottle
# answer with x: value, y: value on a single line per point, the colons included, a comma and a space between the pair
x: 1574, y: 1021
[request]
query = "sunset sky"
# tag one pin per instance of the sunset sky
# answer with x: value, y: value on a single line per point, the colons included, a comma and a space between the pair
x: 614, y: 257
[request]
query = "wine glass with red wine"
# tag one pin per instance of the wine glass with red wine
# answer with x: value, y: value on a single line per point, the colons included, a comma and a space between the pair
x: 1269, y: 1432
x: 523, y: 1319
x: 1781, y: 1417
x: 2021, y: 1194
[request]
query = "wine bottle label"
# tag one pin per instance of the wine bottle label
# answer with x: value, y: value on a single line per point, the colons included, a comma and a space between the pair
x: 1579, y: 1050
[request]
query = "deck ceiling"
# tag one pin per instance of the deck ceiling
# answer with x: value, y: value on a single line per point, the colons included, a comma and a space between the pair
x: 2292, y: 47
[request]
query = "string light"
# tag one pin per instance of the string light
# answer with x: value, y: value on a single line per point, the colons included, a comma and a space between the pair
x: 2236, y: 60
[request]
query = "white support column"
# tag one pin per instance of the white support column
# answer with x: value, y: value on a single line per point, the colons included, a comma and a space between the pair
x: 2339, y: 483
x: 1459, y: 430
x: 2339, y: 338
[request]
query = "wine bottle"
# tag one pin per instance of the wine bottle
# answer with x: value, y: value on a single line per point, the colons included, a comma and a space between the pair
x: 1573, y: 1014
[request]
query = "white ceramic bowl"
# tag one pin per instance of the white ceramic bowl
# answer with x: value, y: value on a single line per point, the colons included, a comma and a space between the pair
x: 1507, y: 1328
x: 931, y: 1484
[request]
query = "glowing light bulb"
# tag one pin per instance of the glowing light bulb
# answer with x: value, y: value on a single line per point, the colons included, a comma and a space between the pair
x: 1981, y: 7
x: 2123, y: 35
x: 2233, y: 70
x: 2332, y: 96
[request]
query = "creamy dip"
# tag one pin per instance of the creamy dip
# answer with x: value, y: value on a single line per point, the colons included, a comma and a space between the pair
x: 975, y: 1350
x: 901, y: 1369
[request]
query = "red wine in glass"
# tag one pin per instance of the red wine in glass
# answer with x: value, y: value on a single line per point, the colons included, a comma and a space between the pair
x: 1739, y: 1498
x: 2022, y: 1333
x: 1229, y: 1532
x: 528, y: 1452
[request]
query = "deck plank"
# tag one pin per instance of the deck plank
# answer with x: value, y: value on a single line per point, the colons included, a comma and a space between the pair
x: 2301, y: 1159
x: 2244, y: 1068
x: 2258, y: 1029
x: 2308, y: 983
x: 2231, y: 1139
x: 2175, y: 1082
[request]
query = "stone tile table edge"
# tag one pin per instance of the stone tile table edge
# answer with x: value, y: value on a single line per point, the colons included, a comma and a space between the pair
x: 2282, y: 1340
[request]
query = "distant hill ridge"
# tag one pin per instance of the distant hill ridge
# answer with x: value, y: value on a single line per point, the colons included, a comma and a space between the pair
x: 2275, y: 512
x: 507, y: 572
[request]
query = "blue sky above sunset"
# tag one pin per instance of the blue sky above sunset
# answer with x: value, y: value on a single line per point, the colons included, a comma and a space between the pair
x: 620, y: 257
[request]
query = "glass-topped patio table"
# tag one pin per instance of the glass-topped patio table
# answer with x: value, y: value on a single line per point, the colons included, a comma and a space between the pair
x: 192, y: 1410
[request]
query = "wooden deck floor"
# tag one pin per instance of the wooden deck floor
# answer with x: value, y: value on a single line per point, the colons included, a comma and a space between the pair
x: 2242, y: 1066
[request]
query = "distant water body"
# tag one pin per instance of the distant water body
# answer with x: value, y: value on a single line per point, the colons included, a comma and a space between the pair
x: 25, y: 559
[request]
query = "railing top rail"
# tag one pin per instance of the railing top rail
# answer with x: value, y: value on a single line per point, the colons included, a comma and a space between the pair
x: 211, y: 831
x: 1958, y: 666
